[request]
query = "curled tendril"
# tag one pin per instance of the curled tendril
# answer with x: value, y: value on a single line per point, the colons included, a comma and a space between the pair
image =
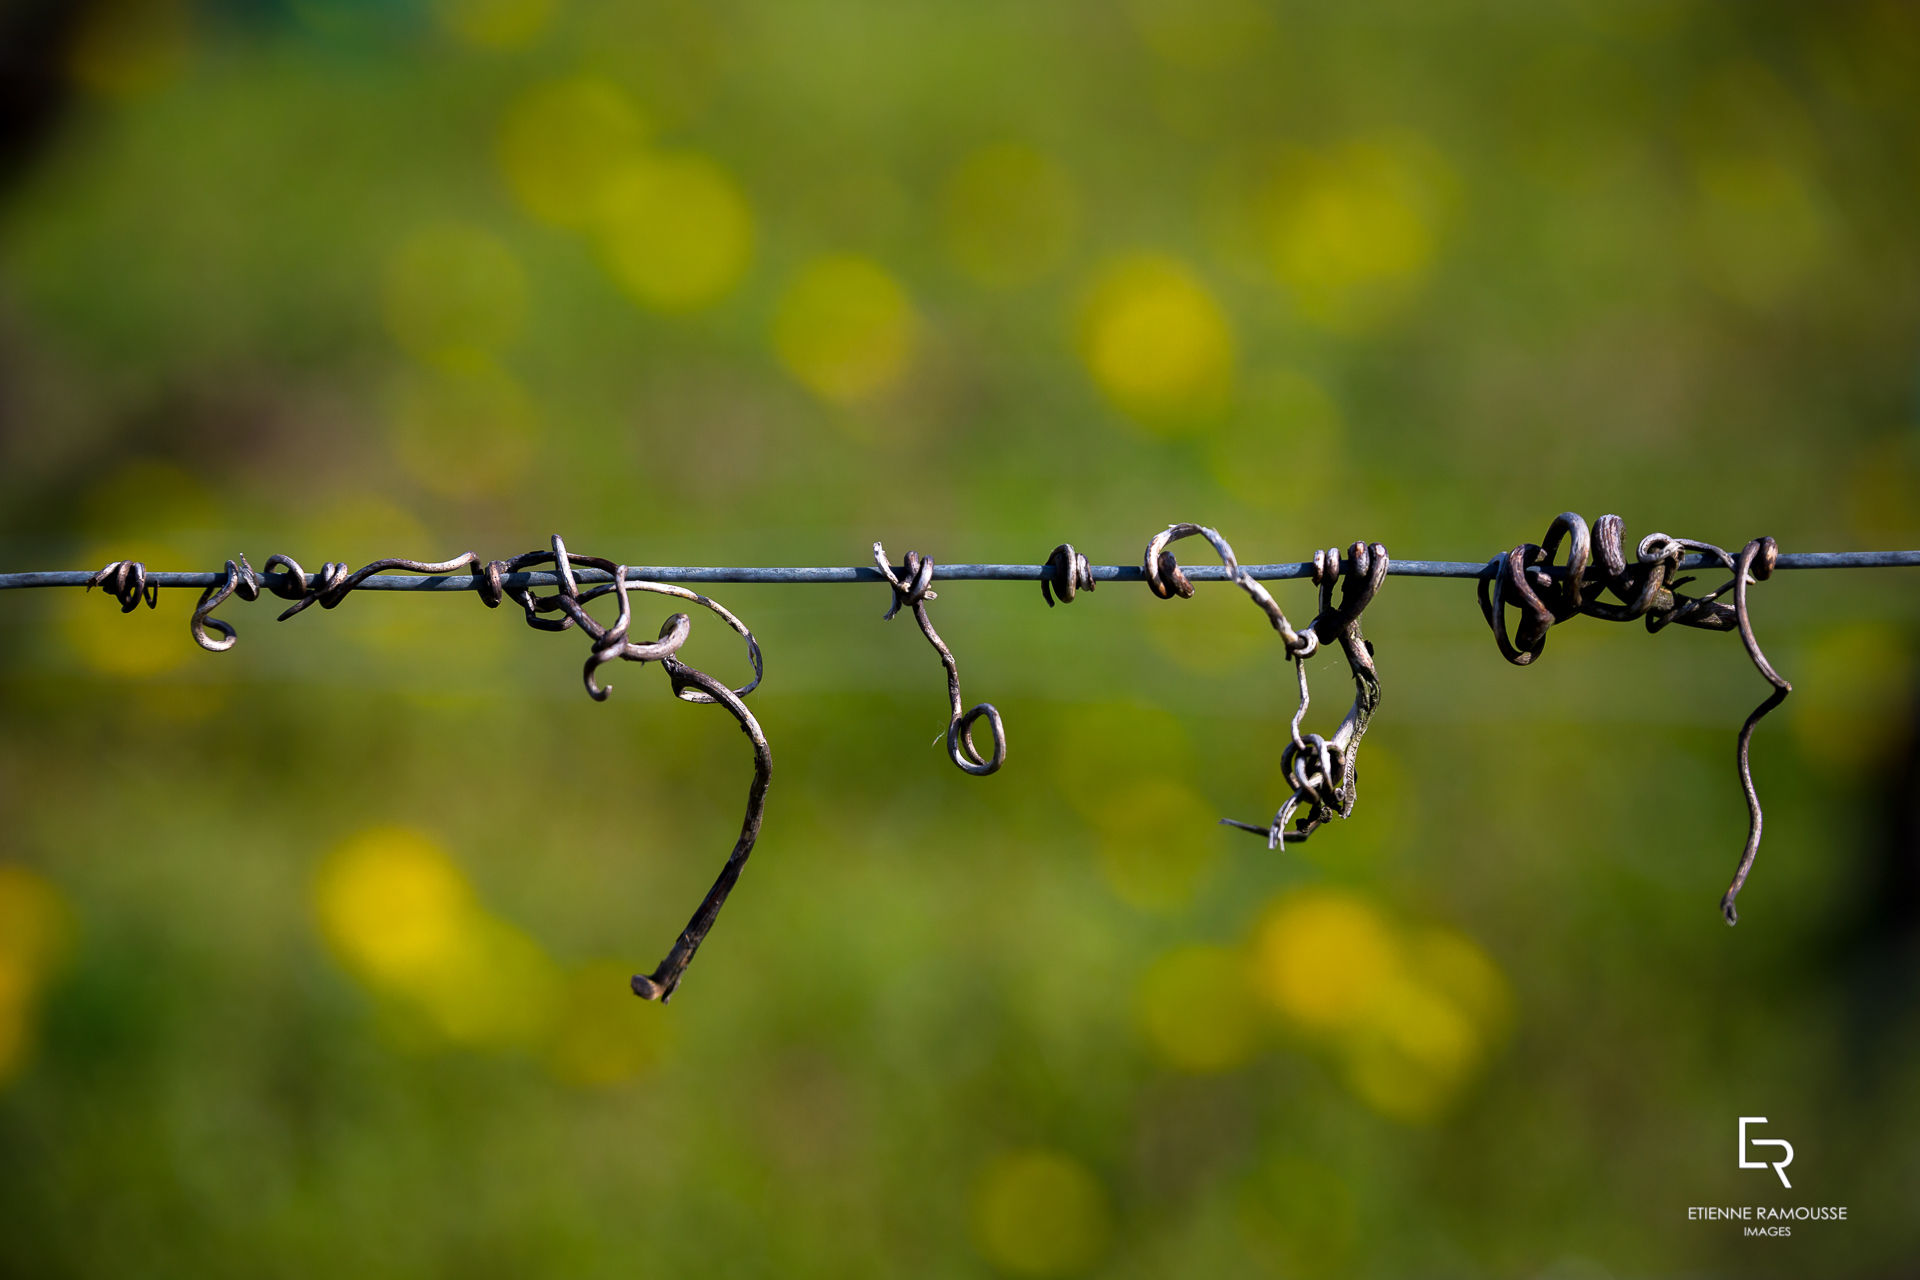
x: 335, y: 582
x: 563, y: 610
x: 913, y: 588
x: 1648, y: 588
x: 1526, y: 578
x: 1322, y: 770
x: 1165, y: 580
x: 242, y: 581
x: 1067, y: 574
x: 1325, y: 771
x: 126, y: 581
x: 1755, y: 564
x: 689, y: 684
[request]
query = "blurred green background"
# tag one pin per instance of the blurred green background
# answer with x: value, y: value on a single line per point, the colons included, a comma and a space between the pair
x: 313, y: 954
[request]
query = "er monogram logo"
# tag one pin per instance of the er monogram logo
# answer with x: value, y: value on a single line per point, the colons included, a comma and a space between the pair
x: 1778, y: 1166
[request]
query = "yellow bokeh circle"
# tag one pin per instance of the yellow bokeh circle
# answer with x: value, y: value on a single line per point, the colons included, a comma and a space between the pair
x: 1155, y: 340
x: 35, y: 932
x: 1409, y: 1015
x: 674, y: 230
x: 845, y: 329
x: 562, y: 145
x: 1323, y: 957
x: 402, y: 917
x: 1351, y: 232
x: 1412, y: 1054
x: 392, y: 904
x: 1041, y: 1213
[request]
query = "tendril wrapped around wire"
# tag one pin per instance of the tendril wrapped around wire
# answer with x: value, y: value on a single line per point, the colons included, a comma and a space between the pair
x: 1067, y: 574
x: 1527, y: 578
x: 914, y: 588
x: 689, y: 684
x: 610, y: 643
x: 126, y: 581
x: 1323, y: 770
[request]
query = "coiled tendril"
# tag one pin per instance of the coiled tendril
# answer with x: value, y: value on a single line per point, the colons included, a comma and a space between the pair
x: 1322, y: 770
x: 562, y: 610
x: 1526, y: 578
x: 913, y: 588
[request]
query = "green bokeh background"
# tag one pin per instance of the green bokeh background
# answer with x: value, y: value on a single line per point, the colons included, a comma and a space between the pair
x: 972, y: 279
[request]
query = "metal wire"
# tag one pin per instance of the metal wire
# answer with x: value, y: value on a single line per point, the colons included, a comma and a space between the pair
x: 1526, y: 579
x: 944, y: 573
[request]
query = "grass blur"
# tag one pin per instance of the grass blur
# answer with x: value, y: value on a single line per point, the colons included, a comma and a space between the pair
x: 313, y: 954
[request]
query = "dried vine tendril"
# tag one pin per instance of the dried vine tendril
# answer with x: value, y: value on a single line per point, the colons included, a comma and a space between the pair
x: 1324, y: 771
x: 1067, y: 574
x: 1536, y: 580
x: 560, y: 611
x: 913, y: 588
x: 1527, y: 578
x: 126, y: 581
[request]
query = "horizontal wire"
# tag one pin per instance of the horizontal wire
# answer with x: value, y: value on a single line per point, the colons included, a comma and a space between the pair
x: 941, y: 573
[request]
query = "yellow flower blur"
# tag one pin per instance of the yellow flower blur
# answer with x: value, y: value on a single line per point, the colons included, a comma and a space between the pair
x: 1352, y: 232
x: 674, y: 230
x: 392, y: 904
x: 1412, y: 1054
x: 563, y: 144
x: 1156, y: 342
x: 1410, y: 1015
x: 35, y: 927
x: 845, y: 329
x: 400, y: 915
x: 1324, y: 957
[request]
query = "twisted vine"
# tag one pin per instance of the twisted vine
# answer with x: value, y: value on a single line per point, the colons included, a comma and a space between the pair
x: 562, y: 610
